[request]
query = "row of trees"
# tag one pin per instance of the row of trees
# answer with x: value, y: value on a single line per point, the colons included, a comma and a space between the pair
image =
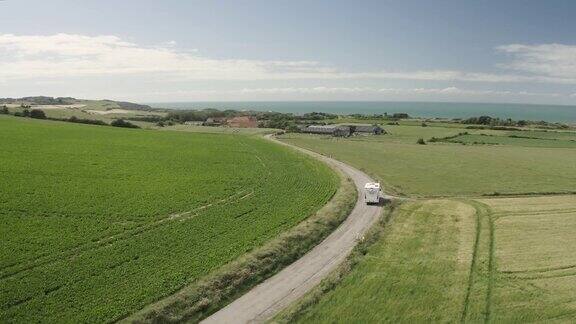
x: 508, y: 122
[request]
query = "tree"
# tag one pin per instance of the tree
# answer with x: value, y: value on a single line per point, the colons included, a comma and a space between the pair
x: 123, y: 123
x: 37, y: 113
x: 421, y: 141
x: 4, y: 110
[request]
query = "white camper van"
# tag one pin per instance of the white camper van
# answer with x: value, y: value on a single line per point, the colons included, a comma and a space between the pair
x: 372, y: 193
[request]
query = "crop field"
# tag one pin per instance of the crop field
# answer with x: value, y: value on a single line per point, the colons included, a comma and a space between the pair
x: 451, y: 169
x: 418, y: 271
x: 497, y: 260
x: 535, y: 260
x: 98, y: 222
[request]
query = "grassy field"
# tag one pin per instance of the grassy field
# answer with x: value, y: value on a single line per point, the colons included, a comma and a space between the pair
x: 219, y: 130
x: 98, y: 222
x: 451, y: 169
x: 535, y: 275
x: 503, y: 260
x: 514, y: 140
x: 417, y: 271
x: 462, y: 258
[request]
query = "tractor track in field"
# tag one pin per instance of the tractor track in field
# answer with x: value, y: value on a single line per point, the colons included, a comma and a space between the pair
x: 14, y: 269
x: 27, y: 265
x: 276, y: 293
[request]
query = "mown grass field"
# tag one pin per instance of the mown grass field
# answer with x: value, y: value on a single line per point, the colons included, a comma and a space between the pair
x: 415, y: 273
x: 503, y: 260
x: 98, y: 222
x: 535, y: 259
x: 514, y: 140
x: 451, y: 169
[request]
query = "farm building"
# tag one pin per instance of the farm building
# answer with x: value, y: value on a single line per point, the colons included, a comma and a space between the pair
x: 334, y: 130
x: 315, y: 129
x: 243, y: 122
x: 342, y: 131
x: 374, y: 130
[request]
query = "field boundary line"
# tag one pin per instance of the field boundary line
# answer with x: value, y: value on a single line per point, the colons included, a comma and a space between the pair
x: 491, y: 263
x: 539, y: 270
x: 551, y: 212
x: 471, y: 274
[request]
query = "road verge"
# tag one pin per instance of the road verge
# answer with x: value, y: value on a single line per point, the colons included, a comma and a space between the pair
x: 292, y: 313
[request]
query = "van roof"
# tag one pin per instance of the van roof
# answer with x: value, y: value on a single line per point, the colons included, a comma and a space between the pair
x: 372, y: 185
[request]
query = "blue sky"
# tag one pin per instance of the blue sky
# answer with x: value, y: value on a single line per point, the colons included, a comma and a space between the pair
x: 481, y: 51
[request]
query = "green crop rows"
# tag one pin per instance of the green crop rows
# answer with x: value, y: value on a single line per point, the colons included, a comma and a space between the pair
x: 97, y: 222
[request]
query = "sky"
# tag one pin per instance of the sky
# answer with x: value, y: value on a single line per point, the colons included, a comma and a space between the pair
x: 520, y: 51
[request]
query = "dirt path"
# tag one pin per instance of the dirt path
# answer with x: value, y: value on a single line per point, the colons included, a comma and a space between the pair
x: 279, y: 291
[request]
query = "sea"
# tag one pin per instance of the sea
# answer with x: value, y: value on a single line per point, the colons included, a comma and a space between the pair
x: 550, y: 113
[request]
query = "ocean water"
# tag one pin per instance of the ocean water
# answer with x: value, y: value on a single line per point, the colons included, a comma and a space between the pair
x: 551, y: 113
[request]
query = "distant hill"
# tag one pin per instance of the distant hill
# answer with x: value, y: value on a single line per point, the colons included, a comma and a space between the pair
x: 49, y: 101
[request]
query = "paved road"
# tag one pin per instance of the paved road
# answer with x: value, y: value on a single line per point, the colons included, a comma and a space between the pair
x: 276, y: 293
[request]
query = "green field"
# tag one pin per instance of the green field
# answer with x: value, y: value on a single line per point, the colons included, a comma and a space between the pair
x: 219, y: 130
x: 461, y: 258
x: 417, y: 272
x: 505, y: 260
x: 450, y: 169
x: 514, y: 140
x: 535, y: 276
x: 98, y: 222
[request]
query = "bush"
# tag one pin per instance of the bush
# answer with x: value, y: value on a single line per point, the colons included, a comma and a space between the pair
x: 37, y: 113
x: 424, y: 125
x: 400, y: 116
x: 123, y: 123
x: 23, y: 113
x: 75, y: 119
x: 4, y: 110
x: 421, y: 141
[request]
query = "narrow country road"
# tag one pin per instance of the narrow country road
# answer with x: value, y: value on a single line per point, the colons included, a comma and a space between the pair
x: 276, y: 293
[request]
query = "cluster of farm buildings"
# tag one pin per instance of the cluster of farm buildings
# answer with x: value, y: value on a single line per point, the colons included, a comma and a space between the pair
x: 334, y: 130
x: 342, y: 130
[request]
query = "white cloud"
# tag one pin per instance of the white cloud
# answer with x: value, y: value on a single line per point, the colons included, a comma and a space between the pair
x: 452, y: 91
x: 108, y: 66
x: 548, y: 62
x: 67, y: 55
